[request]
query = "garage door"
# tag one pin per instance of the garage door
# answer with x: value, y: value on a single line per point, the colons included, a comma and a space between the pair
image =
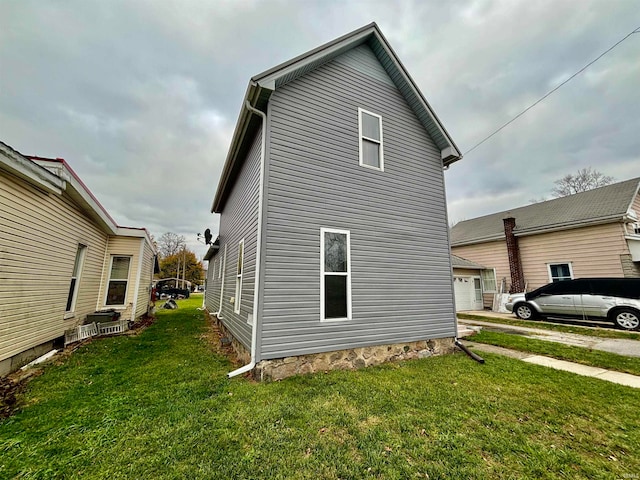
x: 468, y: 293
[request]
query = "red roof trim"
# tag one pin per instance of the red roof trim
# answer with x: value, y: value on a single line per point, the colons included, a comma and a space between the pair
x: 82, y: 184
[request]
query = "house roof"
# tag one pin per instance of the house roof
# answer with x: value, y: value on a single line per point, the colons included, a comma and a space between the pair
x: 261, y: 87
x: 459, y: 262
x: 17, y: 164
x: 606, y: 204
x: 56, y: 176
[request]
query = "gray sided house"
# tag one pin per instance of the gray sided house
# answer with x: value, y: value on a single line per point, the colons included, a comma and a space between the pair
x: 333, y: 244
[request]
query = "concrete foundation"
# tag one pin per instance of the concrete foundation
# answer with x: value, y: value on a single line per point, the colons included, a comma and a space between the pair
x: 11, y: 364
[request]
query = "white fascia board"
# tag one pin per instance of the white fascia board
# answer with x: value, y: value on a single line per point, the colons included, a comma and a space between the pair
x: 90, y: 202
x: 269, y: 80
x: 22, y: 167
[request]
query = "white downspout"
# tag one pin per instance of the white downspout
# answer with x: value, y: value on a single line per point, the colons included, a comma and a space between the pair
x: 256, y: 290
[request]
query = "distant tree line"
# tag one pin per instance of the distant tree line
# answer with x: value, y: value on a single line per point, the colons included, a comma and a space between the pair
x: 176, y: 260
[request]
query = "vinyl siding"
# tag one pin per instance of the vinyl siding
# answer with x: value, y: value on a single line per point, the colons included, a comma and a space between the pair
x: 491, y: 255
x: 593, y: 252
x: 39, y: 238
x: 146, y: 278
x: 400, y: 264
x: 239, y: 220
x: 126, y: 247
x: 635, y: 206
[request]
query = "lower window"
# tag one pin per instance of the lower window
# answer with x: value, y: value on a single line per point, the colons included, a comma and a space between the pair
x: 118, y: 281
x: 560, y: 271
x: 335, y: 267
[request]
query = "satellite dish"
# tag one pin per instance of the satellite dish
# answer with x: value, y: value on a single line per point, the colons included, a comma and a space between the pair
x: 207, y: 236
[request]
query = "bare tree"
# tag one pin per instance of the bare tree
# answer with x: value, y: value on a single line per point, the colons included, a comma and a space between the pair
x: 583, y: 180
x: 170, y: 243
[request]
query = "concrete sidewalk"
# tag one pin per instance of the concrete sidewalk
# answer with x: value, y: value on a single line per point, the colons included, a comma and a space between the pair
x: 584, y: 370
x: 620, y: 346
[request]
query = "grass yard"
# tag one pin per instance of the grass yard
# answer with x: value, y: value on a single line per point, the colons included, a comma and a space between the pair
x: 594, y: 358
x: 591, y: 331
x: 159, y: 405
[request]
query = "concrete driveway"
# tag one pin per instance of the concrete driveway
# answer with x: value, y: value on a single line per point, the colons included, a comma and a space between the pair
x: 630, y: 348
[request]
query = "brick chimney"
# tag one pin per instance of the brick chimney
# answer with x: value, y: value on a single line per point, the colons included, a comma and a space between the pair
x: 515, y: 265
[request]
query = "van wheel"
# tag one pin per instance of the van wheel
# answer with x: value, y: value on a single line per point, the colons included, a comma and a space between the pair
x: 626, y: 318
x: 524, y: 311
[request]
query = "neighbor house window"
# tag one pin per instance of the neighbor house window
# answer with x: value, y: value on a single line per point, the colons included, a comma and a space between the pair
x: 118, y: 281
x: 236, y: 306
x: 335, y: 268
x: 371, y: 149
x: 75, y: 278
x: 560, y: 271
x: 489, y: 280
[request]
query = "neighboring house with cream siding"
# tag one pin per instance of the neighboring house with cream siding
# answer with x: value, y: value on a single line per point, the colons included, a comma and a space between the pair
x: 333, y: 229
x: 589, y: 234
x: 57, y: 249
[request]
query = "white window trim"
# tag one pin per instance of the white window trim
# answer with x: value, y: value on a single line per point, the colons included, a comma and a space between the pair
x: 495, y: 281
x: 126, y: 290
x: 238, y: 293
x: 361, y: 137
x: 223, y: 268
x: 81, y: 253
x: 347, y: 274
x: 559, y: 263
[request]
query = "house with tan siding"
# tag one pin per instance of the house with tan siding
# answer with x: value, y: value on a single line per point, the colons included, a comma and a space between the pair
x: 62, y: 257
x: 589, y: 234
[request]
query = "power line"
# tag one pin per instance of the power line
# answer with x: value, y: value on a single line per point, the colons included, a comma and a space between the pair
x: 637, y: 30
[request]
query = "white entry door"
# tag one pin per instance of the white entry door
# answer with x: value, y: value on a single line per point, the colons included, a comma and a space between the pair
x: 468, y: 293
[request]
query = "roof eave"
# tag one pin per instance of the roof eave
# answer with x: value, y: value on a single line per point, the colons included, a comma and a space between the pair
x: 268, y: 81
x: 570, y: 225
x: 251, y: 96
x: 28, y: 170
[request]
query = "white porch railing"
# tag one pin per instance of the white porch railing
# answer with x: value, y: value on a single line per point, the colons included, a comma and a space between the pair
x: 81, y: 332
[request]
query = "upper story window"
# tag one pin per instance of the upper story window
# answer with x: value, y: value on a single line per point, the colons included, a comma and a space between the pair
x: 371, y: 147
x: 560, y: 271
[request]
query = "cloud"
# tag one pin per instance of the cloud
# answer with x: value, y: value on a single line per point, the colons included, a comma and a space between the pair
x: 141, y: 97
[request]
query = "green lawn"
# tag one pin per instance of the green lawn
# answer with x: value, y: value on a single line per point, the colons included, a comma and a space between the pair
x: 159, y: 405
x: 591, y: 331
x: 594, y: 358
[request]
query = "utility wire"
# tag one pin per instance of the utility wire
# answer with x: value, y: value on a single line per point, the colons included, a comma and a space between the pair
x: 637, y: 30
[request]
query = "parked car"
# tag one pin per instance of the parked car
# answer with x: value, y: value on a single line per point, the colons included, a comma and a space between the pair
x: 615, y: 299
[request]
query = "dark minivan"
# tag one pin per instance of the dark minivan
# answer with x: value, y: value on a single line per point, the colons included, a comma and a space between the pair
x: 616, y: 299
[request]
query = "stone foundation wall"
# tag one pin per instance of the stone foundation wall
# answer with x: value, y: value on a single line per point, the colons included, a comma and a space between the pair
x: 243, y: 354
x: 269, y: 370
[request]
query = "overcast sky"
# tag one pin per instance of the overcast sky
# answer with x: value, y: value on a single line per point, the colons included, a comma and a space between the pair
x: 141, y: 97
